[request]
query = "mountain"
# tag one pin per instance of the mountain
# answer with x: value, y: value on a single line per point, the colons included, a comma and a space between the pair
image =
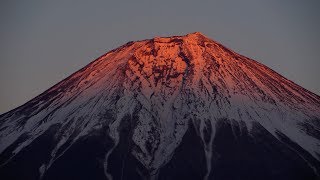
x: 181, y: 107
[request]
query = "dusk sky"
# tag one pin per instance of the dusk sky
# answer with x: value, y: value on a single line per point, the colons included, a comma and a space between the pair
x: 42, y: 41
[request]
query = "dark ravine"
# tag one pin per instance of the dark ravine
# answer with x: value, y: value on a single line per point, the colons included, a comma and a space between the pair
x: 181, y: 107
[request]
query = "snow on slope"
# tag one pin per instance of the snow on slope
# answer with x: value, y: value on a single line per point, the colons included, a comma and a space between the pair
x: 161, y: 84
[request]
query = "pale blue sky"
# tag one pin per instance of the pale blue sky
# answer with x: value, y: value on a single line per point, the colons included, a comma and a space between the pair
x: 44, y: 41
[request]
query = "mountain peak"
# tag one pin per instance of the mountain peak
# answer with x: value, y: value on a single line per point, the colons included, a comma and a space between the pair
x: 198, y: 36
x: 197, y: 33
x: 195, y: 36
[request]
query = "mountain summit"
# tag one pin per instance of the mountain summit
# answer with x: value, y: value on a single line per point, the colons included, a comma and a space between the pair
x: 181, y: 107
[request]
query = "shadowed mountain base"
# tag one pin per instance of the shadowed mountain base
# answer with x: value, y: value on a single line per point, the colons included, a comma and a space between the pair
x: 237, y: 155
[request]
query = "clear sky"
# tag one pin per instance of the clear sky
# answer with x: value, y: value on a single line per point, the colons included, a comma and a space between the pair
x: 44, y: 41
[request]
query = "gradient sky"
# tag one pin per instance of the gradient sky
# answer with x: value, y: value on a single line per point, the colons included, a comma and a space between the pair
x: 43, y: 41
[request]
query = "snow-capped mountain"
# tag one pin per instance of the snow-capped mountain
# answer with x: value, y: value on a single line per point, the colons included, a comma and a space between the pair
x: 181, y: 107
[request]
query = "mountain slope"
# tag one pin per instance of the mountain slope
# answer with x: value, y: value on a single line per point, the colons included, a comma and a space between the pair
x: 166, y: 108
